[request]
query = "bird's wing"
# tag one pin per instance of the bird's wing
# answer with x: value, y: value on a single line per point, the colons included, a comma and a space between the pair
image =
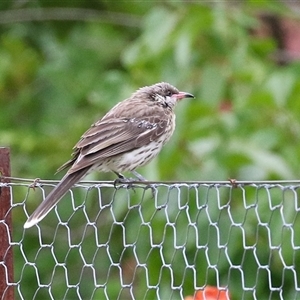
x: 111, y: 137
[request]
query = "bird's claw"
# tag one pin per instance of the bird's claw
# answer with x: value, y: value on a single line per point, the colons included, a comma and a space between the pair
x: 125, y: 181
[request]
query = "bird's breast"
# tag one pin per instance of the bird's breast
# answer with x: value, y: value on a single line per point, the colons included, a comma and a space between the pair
x: 133, y: 159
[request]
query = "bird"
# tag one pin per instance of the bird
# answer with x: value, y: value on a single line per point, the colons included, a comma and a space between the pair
x: 129, y: 135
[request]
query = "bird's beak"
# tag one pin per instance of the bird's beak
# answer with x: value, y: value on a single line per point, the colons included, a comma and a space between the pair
x: 182, y: 95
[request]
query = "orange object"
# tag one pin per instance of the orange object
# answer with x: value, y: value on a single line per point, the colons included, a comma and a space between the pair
x: 209, y: 293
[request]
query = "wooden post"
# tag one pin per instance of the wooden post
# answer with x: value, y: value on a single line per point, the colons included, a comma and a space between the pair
x: 6, y: 253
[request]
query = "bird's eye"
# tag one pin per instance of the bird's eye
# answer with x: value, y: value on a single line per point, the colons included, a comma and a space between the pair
x: 169, y: 93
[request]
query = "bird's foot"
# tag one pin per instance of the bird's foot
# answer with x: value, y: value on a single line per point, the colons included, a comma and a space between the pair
x: 123, y: 180
x: 128, y: 181
x: 141, y: 178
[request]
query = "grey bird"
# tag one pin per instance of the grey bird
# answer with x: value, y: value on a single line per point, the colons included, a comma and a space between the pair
x: 131, y: 134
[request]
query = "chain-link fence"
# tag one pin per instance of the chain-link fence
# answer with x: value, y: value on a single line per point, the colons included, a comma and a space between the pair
x: 157, y: 241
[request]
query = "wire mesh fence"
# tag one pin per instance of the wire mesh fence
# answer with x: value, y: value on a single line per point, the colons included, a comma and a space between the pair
x: 157, y: 241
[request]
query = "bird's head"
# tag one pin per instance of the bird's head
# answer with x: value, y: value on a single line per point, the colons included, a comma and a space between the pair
x: 163, y: 94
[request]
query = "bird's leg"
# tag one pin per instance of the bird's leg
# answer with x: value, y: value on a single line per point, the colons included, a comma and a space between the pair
x: 138, y: 176
x: 121, y: 178
x: 142, y: 178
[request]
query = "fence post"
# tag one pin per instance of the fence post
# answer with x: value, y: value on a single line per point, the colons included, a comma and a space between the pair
x: 6, y: 253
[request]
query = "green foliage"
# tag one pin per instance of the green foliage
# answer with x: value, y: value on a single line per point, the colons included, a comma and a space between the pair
x: 58, y: 77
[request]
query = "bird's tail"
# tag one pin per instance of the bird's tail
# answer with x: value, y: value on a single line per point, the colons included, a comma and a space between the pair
x: 55, y: 195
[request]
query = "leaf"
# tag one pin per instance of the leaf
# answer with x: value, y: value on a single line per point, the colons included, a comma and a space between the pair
x: 264, y: 159
x: 280, y: 85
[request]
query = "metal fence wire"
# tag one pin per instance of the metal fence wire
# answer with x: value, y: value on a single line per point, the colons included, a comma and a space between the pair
x: 157, y: 241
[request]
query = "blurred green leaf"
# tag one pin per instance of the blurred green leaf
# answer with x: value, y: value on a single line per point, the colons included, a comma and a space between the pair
x: 280, y: 85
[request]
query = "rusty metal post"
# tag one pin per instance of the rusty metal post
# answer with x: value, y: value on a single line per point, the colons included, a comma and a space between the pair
x: 6, y: 253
